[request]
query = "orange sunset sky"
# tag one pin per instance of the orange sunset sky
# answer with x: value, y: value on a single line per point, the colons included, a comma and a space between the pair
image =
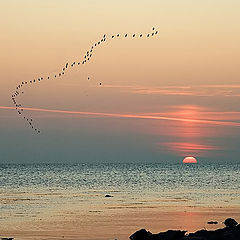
x: 162, y: 98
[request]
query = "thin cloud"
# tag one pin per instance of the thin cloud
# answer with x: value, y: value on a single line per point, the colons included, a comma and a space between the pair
x: 187, y: 148
x: 134, y: 116
x: 193, y: 90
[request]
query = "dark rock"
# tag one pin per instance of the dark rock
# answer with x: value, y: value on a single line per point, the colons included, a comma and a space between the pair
x: 142, y: 234
x: 107, y: 195
x: 230, y: 222
x: 169, y: 235
x: 201, y: 234
x: 228, y: 233
x: 212, y: 222
x: 231, y: 232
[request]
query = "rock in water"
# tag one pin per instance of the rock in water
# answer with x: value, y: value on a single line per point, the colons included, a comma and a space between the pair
x: 230, y: 222
x: 169, y: 235
x: 107, y: 195
x: 142, y: 234
x: 228, y: 233
x: 212, y: 222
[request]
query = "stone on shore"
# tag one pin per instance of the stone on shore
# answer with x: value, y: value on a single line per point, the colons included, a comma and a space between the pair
x: 230, y: 232
x: 143, y: 234
x: 230, y: 222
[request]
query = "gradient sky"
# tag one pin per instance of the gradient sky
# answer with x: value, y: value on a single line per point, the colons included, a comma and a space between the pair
x: 161, y: 99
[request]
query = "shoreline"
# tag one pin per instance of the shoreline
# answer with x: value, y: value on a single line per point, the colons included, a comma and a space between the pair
x: 119, y: 224
x: 230, y: 231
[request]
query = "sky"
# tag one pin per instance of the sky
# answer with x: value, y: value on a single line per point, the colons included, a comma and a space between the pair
x: 162, y: 98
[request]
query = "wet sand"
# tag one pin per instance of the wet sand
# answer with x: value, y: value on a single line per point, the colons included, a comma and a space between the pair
x: 114, y: 222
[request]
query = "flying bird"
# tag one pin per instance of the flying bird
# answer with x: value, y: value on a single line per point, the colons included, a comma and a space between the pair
x: 86, y: 58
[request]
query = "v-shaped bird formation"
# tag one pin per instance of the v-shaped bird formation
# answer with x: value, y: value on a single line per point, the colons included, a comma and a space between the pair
x: 87, y: 57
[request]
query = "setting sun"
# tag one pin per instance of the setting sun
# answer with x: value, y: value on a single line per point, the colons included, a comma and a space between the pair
x: 189, y: 160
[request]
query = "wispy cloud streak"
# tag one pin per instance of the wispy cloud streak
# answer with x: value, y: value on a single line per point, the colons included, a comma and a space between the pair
x: 134, y: 116
x: 186, y: 148
x: 191, y: 90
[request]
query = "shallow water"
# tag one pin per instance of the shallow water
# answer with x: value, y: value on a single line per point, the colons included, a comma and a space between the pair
x: 207, y: 185
x: 51, y: 191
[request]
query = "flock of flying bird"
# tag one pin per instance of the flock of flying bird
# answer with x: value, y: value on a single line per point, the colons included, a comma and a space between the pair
x: 86, y: 58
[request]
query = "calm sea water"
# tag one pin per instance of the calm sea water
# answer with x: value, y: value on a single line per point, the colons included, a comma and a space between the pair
x: 29, y: 189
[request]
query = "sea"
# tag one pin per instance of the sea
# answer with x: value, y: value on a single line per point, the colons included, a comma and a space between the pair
x: 28, y: 191
x: 46, y: 184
